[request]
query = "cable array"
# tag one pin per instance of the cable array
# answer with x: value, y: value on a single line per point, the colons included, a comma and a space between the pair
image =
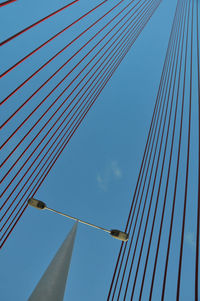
x: 52, y: 85
x: 161, y: 259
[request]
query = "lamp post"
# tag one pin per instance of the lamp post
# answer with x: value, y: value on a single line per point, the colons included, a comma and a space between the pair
x: 114, y: 233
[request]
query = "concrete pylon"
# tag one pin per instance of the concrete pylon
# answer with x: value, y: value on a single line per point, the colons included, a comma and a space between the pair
x: 51, y: 286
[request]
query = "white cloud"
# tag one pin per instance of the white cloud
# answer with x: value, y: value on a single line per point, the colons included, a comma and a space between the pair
x: 110, y: 173
x: 116, y: 170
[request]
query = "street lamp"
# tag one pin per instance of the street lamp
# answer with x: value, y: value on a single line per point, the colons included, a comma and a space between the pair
x: 114, y: 233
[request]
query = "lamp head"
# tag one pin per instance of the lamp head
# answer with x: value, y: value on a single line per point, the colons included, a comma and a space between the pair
x: 37, y: 204
x: 119, y: 235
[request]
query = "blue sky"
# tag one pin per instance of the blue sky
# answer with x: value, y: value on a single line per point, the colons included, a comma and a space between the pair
x: 94, y: 178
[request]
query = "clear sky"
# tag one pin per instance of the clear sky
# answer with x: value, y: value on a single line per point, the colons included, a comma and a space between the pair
x: 94, y: 178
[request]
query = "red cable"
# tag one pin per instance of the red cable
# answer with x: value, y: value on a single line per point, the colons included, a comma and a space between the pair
x: 187, y: 167
x: 71, y: 93
x: 17, y: 147
x: 198, y: 201
x: 23, y: 151
x: 7, y: 2
x: 35, y: 50
x: 36, y: 23
x: 176, y: 177
x: 158, y: 194
x: 66, y: 61
x: 160, y: 180
x: 13, y: 226
x: 148, y: 139
x: 44, y: 65
x: 165, y: 196
x: 164, y: 203
x: 54, y: 87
